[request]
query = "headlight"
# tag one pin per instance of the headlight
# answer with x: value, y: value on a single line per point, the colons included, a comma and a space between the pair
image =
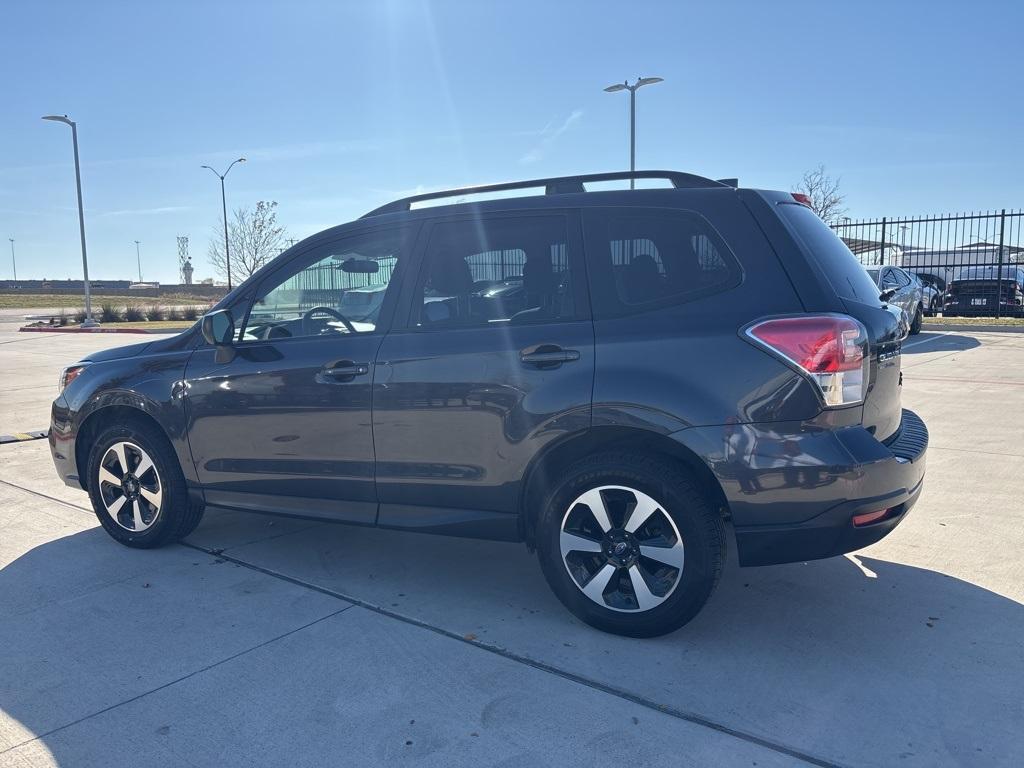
x: 69, y: 374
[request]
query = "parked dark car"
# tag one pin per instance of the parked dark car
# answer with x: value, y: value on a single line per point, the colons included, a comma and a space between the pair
x: 902, y: 289
x: 627, y: 381
x: 979, y: 290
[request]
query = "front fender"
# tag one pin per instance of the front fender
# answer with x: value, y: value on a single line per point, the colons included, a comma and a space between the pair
x: 150, y: 384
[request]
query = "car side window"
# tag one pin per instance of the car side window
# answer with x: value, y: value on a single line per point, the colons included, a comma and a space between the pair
x: 889, y: 279
x: 658, y: 258
x: 902, y: 278
x: 337, y: 289
x: 490, y: 271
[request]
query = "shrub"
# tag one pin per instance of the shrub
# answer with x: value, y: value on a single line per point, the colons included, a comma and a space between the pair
x: 155, y: 312
x: 134, y: 314
x: 174, y: 313
x: 191, y: 313
x: 79, y: 316
x: 62, y: 318
x: 109, y: 314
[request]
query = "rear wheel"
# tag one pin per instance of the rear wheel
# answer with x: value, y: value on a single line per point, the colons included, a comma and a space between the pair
x: 917, y: 322
x: 631, y: 544
x: 137, y: 487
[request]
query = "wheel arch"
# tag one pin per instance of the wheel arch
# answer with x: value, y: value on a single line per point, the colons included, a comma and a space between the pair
x: 548, y: 465
x: 99, y: 419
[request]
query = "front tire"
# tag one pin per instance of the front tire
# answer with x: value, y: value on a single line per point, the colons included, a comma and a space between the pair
x: 137, y: 488
x: 631, y: 544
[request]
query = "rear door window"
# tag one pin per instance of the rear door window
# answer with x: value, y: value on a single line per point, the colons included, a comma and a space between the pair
x: 841, y: 267
x: 646, y: 258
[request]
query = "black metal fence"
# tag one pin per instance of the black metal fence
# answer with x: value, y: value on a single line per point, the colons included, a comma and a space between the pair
x: 975, y: 260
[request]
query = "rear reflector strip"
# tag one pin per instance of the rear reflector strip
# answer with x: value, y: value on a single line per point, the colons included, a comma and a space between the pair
x: 869, y: 517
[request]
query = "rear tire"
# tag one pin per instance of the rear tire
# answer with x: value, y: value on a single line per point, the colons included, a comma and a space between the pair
x: 917, y: 322
x: 654, y: 566
x: 137, y: 488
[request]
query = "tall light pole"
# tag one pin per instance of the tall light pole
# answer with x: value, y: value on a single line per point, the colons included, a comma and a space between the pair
x: 224, y: 211
x: 14, y: 264
x: 625, y: 86
x: 138, y: 260
x: 89, y: 322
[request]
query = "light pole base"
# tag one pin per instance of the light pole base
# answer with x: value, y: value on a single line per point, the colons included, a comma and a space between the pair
x: 89, y: 323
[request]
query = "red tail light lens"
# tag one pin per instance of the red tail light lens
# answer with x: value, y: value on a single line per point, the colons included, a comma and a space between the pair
x: 803, y: 199
x: 831, y: 350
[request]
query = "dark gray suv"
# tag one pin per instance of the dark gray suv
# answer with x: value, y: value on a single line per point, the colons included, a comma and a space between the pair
x: 623, y: 380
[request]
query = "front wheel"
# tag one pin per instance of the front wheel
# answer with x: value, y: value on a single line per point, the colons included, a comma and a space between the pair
x: 917, y: 322
x: 137, y: 487
x: 631, y: 544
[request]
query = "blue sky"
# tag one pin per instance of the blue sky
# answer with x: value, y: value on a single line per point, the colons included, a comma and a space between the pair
x: 341, y: 106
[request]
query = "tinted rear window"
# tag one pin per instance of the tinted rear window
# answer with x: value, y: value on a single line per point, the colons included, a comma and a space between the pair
x: 844, y: 272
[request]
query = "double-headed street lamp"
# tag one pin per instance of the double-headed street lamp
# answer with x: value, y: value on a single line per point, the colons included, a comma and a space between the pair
x: 224, y: 210
x: 640, y: 83
x: 89, y: 322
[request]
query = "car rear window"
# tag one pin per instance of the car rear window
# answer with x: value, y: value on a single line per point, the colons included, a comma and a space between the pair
x: 847, y: 276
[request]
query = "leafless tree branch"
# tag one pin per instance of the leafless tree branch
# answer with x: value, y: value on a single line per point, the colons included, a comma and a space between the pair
x: 254, y: 238
x: 823, y: 192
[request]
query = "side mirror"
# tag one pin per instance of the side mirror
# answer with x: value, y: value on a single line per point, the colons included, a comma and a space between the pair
x: 219, y: 328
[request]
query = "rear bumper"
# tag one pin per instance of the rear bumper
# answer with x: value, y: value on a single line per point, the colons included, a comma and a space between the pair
x: 892, y: 484
x: 793, y: 489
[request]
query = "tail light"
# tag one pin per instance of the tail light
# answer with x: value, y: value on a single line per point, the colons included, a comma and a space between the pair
x: 830, y: 350
x: 803, y: 199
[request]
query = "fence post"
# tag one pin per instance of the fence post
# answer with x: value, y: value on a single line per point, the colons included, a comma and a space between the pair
x: 881, y: 251
x: 999, y: 280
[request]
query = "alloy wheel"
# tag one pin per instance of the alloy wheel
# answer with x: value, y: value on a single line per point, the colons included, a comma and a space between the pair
x: 621, y: 548
x: 130, y: 486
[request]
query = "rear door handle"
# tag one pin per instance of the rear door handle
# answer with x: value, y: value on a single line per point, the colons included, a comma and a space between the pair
x: 342, y: 371
x: 547, y: 356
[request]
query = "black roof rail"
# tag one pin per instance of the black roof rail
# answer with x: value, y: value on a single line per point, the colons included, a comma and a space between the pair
x: 557, y: 185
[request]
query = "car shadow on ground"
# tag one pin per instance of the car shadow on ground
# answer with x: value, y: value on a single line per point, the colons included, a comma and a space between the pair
x: 808, y: 655
x: 939, y: 341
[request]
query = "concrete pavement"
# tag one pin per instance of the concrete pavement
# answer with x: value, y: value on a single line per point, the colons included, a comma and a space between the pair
x: 266, y: 641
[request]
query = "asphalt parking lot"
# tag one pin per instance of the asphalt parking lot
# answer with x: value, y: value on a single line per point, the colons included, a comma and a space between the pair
x: 272, y: 642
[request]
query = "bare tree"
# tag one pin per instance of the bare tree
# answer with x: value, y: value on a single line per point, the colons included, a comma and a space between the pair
x: 823, y: 192
x: 254, y: 237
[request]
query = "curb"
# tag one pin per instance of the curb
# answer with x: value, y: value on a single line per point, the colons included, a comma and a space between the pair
x: 967, y: 327
x: 58, y: 329
x: 20, y: 437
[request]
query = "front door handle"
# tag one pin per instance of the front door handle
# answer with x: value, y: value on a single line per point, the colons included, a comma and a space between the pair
x: 547, y: 356
x: 342, y: 371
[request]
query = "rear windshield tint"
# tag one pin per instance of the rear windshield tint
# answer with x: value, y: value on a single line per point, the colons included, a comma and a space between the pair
x: 847, y: 276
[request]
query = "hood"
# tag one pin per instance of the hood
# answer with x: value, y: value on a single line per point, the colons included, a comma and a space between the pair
x: 118, y: 353
x: 166, y: 344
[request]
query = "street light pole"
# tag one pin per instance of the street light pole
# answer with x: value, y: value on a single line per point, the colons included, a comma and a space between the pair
x: 224, y: 213
x: 640, y: 83
x: 14, y: 264
x: 89, y: 322
x: 138, y: 260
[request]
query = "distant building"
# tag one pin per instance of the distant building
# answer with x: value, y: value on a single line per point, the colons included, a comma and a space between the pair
x: 186, y: 271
